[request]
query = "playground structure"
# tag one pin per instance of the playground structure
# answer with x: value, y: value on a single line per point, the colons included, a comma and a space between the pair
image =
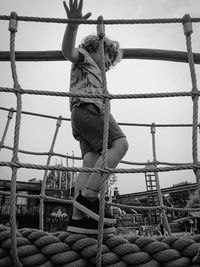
x: 14, y: 243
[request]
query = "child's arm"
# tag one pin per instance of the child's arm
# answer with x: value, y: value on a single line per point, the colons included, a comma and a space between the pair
x: 74, y: 11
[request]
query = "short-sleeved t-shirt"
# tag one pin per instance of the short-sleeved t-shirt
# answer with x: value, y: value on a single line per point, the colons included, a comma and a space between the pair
x: 85, y: 78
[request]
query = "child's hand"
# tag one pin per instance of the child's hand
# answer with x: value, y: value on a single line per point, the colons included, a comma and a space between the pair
x: 74, y: 11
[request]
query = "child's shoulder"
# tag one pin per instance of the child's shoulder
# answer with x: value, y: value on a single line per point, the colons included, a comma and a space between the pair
x: 86, y: 57
x: 83, y: 52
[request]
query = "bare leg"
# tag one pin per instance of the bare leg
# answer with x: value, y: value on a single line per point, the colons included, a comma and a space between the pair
x: 115, y: 154
x: 89, y: 160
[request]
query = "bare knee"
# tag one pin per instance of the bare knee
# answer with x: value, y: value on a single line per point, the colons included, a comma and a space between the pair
x: 90, y: 159
x: 121, y: 146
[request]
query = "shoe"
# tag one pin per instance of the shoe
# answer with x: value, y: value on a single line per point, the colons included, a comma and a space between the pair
x: 87, y: 226
x: 92, y: 209
x: 107, y: 213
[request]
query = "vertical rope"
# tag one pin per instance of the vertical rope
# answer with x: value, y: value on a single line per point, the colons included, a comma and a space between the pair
x: 153, y: 131
x: 10, y: 115
x: 42, y: 193
x: 13, y: 30
x: 187, y: 27
x: 101, y: 34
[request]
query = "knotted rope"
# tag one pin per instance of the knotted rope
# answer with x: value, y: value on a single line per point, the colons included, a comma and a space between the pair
x: 187, y: 25
x: 143, y: 257
x: 41, y: 215
x: 13, y: 30
x: 101, y: 35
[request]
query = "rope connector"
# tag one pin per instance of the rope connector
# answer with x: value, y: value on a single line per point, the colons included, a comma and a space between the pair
x: 59, y: 121
x: 100, y: 27
x: 187, y: 25
x: 13, y: 22
x: 10, y: 113
x: 153, y: 128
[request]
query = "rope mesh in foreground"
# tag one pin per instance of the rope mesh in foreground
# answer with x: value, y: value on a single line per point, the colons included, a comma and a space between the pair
x: 109, y: 250
x: 38, y: 248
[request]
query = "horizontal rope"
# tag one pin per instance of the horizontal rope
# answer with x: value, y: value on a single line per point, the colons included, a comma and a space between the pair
x: 100, y: 96
x: 80, y: 158
x: 190, y: 166
x: 106, y: 21
x: 41, y: 153
x: 37, y: 114
x: 113, y: 204
x: 152, y: 207
x: 120, y: 123
x: 45, y: 197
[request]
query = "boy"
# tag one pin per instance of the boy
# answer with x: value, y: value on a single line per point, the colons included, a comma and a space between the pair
x: 87, y: 119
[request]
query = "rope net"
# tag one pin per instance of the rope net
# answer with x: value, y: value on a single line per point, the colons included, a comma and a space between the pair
x: 31, y: 247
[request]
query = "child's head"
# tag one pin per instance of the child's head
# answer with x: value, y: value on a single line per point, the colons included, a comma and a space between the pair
x: 91, y: 45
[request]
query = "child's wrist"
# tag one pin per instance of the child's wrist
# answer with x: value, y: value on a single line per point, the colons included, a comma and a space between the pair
x: 73, y: 26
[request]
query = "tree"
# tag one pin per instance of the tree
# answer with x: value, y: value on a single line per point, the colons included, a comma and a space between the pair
x: 51, y: 181
x: 58, y: 179
x: 193, y: 201
x: 179, y: 199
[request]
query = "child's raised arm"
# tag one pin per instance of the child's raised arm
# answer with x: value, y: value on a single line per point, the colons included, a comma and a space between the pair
x: 74, y: 11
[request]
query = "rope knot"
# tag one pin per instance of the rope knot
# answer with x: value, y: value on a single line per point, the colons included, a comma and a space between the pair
x: 43, y: 196
x: 59, y: 121
x: 13, y: 22
x: 10, y: 114
x: 187, y: 25
x: 153, y: 128
x: 15, y: 162
x: 163, y: 207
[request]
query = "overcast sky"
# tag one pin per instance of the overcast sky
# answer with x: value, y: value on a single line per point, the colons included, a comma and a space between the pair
x: 128, y: 77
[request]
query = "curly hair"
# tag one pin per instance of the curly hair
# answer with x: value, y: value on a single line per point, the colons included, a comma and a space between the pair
x: 91, y: 45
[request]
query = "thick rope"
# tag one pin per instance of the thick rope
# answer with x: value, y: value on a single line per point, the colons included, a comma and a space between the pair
x: 79, y: 158
x: 38, y: 248
x: 101, y: 35
x: 188, y: 31
x: 104, y: 171
x: 188, y: 166
x: 101, y: 96
x: 120, y: 123
x: 187, y: 25
x: 13, y: 30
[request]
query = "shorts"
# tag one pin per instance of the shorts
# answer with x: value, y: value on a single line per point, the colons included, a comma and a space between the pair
x: 87, y: 127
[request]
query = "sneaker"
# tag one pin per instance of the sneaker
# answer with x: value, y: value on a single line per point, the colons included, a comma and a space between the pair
x: 92, y: 209
x: 107, y: 213
x: 87, y: 226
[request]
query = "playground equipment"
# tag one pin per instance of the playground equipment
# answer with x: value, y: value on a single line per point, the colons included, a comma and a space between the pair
x: 130, y: 251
